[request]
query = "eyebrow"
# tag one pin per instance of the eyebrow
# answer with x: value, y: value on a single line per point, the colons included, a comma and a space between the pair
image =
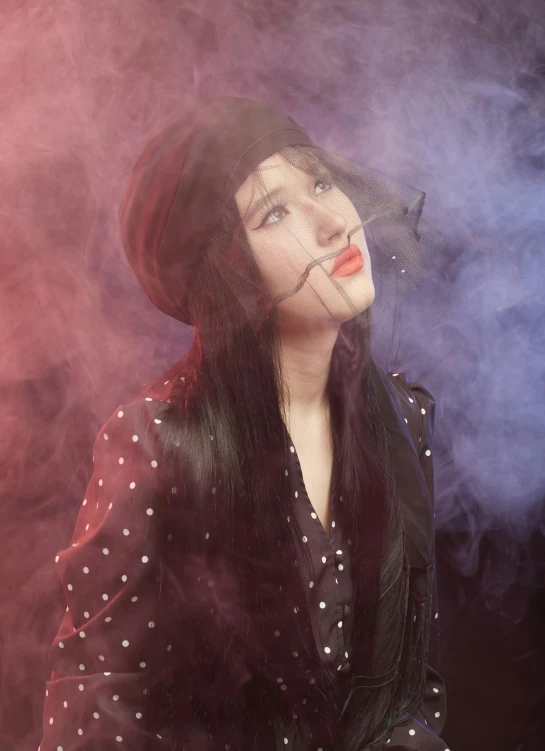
x: 264, y: 201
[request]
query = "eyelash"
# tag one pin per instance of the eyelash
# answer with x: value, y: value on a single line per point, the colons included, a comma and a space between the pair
x: 281, y: 206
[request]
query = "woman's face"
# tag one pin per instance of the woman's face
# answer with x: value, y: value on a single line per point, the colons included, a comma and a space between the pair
x: 309, y: 218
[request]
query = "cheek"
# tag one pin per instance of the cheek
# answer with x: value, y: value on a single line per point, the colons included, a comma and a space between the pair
x: 279, y: 265
x: 273, y: 268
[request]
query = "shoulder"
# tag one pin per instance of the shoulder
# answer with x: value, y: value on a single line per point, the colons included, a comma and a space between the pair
x: 138, y: 421
x: 134, y: 424
x: 161, y: 389
x: 129, y: 446
x: 417, y: 404
x: 409, y: 391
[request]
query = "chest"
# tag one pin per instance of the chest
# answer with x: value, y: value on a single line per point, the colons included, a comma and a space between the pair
x: 315, y: 454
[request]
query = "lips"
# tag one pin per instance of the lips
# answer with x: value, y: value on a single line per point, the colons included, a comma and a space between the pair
x: 351, y: 252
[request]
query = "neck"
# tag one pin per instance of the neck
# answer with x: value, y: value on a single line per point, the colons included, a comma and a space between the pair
x: 306, y: 360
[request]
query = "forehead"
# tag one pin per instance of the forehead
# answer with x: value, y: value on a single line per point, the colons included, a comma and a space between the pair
x: 271, y: 173
x: 274, y: 162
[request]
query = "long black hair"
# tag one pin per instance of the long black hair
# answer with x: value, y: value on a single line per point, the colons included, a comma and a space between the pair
x: 224, y: 438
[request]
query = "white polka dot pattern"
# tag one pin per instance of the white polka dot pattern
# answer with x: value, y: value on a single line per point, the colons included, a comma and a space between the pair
x: 110, y: 581
x: 105, y: 638
x: 422, y: 733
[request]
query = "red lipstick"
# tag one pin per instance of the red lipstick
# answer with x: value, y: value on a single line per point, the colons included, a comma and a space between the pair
x: 348, y: 262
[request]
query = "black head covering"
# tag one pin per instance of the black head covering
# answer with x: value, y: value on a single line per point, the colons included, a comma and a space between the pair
x: 182, y: 182
x: 188, y: 175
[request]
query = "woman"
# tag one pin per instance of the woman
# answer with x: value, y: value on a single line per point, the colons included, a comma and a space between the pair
x: 252, y: 566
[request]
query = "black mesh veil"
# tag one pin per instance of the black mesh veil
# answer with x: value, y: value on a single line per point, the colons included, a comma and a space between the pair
x: 376, y: 214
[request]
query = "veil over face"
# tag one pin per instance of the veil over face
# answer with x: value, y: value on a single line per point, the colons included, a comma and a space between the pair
x: 311, y: 220
x: 206, y: 184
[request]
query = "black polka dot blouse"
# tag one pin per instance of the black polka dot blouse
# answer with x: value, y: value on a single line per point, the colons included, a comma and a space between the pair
x: 95, y: 699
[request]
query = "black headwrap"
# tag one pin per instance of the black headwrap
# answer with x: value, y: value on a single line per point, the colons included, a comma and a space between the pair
x: 182, y: 182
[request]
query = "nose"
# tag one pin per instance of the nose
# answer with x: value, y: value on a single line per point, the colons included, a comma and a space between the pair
x: 330, y: 226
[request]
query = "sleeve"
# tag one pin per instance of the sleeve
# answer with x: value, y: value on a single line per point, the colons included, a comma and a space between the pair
x: 423, y: 731
x: 103, y: 659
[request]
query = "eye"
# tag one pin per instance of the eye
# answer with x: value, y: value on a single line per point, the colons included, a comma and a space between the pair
x: 274, y: 210
x: 324, y: 182
x: 281, y: 207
